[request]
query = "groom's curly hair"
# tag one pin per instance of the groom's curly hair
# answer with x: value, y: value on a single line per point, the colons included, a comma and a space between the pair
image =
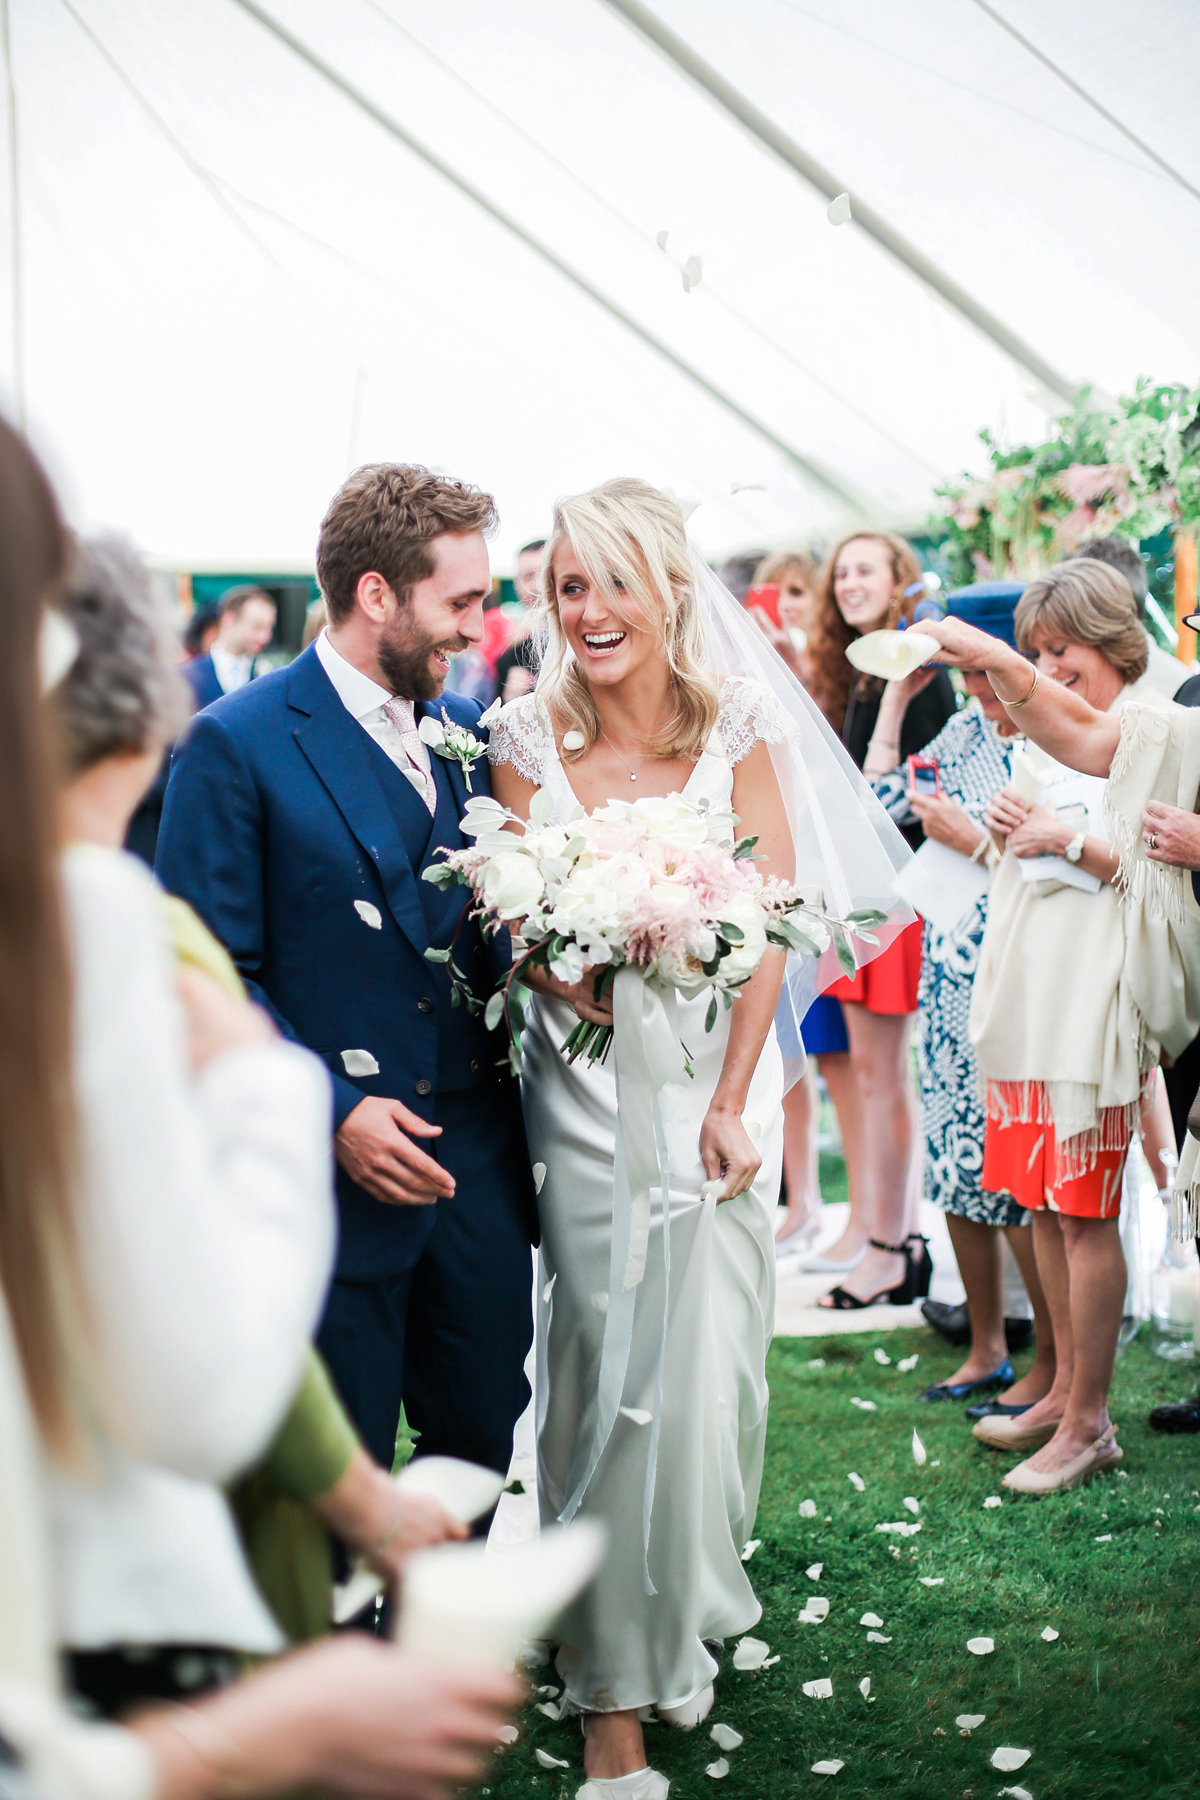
x: 382, y: 519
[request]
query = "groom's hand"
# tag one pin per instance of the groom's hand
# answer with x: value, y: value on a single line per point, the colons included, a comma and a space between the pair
x: 373, y: 1144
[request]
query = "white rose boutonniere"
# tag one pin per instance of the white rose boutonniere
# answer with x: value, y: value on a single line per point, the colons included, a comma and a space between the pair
x: 457, y: 743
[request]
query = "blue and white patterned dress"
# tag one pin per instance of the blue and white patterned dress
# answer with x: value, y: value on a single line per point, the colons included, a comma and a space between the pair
x: 973, y: 762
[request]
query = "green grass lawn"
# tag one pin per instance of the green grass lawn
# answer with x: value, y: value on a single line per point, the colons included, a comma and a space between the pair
x: 1112, y: 1708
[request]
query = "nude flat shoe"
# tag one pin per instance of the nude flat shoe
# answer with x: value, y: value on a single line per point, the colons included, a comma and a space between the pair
x: 1101, y: 1455
x: 647, y: 1785
x: 1013, y: 1434
x: 691, y: 1713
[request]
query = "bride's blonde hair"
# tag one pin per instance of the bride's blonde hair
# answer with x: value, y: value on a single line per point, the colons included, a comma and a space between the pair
x: 630, y: 541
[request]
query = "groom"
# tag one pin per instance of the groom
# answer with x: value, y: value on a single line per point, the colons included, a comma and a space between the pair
x: 300, y: 814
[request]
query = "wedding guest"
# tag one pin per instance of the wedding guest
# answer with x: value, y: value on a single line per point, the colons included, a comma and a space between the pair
x: 973, y: 753
x: 131, y: 1331
x: 873, y: 582
x: 1166, y: 672
x: 516, y: 667
x: 793, y: 573
x: 201, y: 629
x: 315, y: 620
x: 246, y: 626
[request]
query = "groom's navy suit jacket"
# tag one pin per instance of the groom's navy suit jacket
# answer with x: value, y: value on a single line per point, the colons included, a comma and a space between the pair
x: 301, y: 846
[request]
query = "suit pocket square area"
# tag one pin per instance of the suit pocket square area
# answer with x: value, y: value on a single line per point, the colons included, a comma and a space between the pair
x: 359, y: 1062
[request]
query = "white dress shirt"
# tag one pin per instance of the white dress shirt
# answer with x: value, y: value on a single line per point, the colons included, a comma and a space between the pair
x: 232, y: 671
x: 365, y: 700
x: 206, y: 1234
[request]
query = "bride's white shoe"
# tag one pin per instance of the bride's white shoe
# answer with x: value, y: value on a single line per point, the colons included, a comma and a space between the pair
x: 644, y: 1784
x: 691, y: 1713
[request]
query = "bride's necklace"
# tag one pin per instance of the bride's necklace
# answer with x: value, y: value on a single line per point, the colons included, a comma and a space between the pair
x: 620, y: 758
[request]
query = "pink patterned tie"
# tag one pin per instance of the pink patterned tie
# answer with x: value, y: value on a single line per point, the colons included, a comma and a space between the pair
x: 402, y: 715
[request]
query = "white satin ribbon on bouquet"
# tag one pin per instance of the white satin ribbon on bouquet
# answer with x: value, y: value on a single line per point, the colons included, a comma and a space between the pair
x: 648, y: 1056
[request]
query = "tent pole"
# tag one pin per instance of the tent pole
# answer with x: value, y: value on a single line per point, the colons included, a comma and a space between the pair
x: 861, y: 506
x: 14, y: 209
x: 769, y: 135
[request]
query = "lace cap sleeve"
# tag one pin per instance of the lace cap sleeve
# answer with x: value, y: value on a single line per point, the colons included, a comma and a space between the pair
x: 750, y: 714
x: 522, y: 736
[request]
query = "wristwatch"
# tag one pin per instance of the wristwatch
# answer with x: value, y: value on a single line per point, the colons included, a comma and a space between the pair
x: 1074, y: 849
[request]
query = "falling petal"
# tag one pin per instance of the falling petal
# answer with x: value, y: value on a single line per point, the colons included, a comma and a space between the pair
x: 725, y: 1737
x: 600, y: 1302
x: 370, y: 915
x: 747, y: 487
x: 1049, y: 1636
x: 882, y: 1357
x: 549, y: 1288
x: 877, y: 1637
x: 871, y: 1619
x: 816, y: 1362
x: 750, y: 1653
x: 718, y: 1770
x: 980, y: 1646
x: 993, y: 1500
x: 550, y: 1762
x: 914, y: 1506
x: 814, y: 1571
x: 635, y: 1415
x: 1007, y: 1759
x: 547, y: 1693
x: 918, y: 1450
x: 359, y: 1062
x: 864, y: 1687
x: 573, y: 740
x: 770, y: 1662
x: 970, y: 1721
x: 508, y: 1734
x: 808, y: 1509
x: 692, y: 270
x: 863, y: 1405
x: 830, y: 1767
x: 838, y: 211
x: 539, y: 1175
x: 550, y: 1709
x: 661, y: 239
x: 1105, y: 1539
x: 819, y: 1690
x: 748, y: 1550
x: 907, y: 1363
x: 856, y: 1481
x: 931, y: 1580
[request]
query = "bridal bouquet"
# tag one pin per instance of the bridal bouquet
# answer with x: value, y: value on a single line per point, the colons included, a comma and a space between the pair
x: 648, y: 884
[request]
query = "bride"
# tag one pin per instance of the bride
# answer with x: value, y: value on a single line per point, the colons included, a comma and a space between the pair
x: 629, y: 704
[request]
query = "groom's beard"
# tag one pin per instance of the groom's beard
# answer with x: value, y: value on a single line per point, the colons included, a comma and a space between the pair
x: 406, y: 661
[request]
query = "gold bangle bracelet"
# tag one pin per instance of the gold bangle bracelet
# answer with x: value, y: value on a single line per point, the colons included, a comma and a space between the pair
x: 1024, y: 701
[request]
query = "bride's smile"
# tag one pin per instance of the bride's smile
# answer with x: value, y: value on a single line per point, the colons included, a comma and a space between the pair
x: 609, y: 644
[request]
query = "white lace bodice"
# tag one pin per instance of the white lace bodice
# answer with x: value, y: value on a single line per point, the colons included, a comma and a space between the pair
x: 749, y: 714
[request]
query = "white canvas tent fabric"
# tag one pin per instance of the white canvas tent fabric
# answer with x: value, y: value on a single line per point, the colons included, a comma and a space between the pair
x: 235, y: 284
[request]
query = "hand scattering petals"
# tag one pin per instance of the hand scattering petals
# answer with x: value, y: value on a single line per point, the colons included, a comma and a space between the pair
x: 969, y: 1721
x: 370, y: 915
x: 808, y: 1509
x: 725, y: 1737
x: 1049, y: 1635
x: 1007, y: 1759
x: 539, y: 1175
x: 981, y: 1646
x: 550, y: 1762
x: 931, y: 1580
x: 749, y: 1548
x: 831, y: 1767
x: 819, y: 1690
x: 918, y: 1450
x: 907, y: 1363
x: 750, y: 1653
x: 636, y: 1415
x: 864, y: 1405
x: 883, y: 1359
x: 838, y: 211
x: 719, y: 1769
x: 914, y: 1506
x: 856, y: 1481
x: 993, y: 1500
x: 864, y: 1687
x: 814, y: 1571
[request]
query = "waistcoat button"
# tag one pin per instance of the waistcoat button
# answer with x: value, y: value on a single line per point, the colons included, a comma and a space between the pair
x: 424, y: 1087
x: 425, y: 1004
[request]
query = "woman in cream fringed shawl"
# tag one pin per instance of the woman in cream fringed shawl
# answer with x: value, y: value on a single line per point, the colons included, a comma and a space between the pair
x: 1077, y: 993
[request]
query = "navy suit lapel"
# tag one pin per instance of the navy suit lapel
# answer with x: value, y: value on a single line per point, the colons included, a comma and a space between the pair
x: 338, y: 749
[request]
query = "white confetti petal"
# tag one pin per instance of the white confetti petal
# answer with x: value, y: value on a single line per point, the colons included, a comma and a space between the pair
x: 993, y: 1500
x: 931, y: 1580
x: 635, y: 1414
x: 907, y: 1363
x: 871, y: 1619
x: 856, y: 1481
x: 816, y: 1362
x: 863, y: 1405
x: 749, y: 1548
x: 1017, y: 1793
x: 1006, y: 1759
x: 814, y: 1571
x: 838, y: 211
x: 1049, y: 1635
x: 918, y: 1450
x: 816, y: 1610
x: 550, y: 1762
x: 901, y: 1527
x: 718, y: 1770
x: 884, y: 1360
x: 725, y: 1737
x: 661, y: 239
x: 549, y: 1288
x: 508, y: 1734
x: 770, y: 1662
x: 970, y: 1721
x: 547, y: 1693
x: 600, y: 1302
x: 539, y: 1175
x: 1105, y: 1539
x: 370, y: 915
x: 573, y: 740
x: 550, y: 1709
x: 830, y: 1767
x: 819, y: 1690
x: 359, y: 1062
x: 877, y: 1637
x: 981, y: 1646
x: 693, y: 268
x: 750, y: 1653
x: 747, y: 487
x: 808, y: 1509
x: 864, y: 1687
x: 913, y: 1505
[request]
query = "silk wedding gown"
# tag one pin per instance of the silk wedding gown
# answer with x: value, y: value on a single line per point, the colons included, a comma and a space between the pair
x: 622, y: 1645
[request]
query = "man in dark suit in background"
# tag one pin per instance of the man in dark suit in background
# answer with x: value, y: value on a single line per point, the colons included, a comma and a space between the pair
x: 300, y: 814
x: 246, y: 626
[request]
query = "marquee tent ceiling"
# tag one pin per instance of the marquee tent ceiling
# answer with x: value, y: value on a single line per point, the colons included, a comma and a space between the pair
x: 238, y: 280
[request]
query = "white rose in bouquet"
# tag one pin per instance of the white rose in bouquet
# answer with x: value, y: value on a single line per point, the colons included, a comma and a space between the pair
x: 512, y: 885
x: 744, y: 958
x: 671, y: 816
